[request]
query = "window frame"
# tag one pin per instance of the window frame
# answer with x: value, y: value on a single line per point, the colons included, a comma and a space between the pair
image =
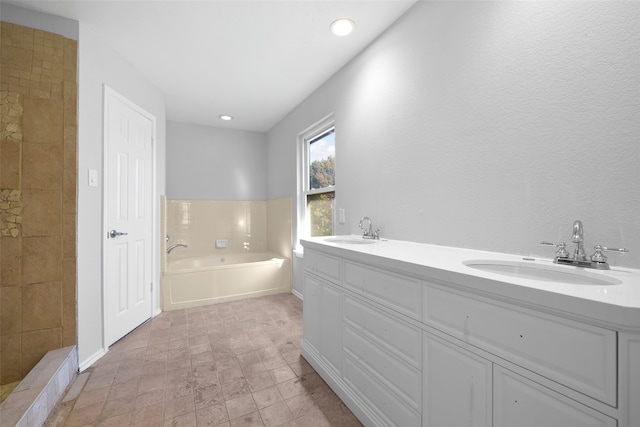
x: 309, y: 134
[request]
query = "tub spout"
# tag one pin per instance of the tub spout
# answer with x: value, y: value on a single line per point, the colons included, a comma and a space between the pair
x: 175, y: 245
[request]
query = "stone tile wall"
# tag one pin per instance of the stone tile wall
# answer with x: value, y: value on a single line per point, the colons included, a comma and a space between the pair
x: 38, y: 145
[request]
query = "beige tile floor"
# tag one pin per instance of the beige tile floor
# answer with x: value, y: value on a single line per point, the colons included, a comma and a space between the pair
x: 230, y: 364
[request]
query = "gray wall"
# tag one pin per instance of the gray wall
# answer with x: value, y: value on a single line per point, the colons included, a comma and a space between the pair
x: 100, y: 65
x: 215, y: 164
x: 486, y: 125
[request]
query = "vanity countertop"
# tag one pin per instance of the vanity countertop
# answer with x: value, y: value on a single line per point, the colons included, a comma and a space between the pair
x: 616, y: 306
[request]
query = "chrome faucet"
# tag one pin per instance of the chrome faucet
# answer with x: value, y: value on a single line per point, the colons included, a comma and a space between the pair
x: 368, y: 232
x: 578, y: 239
x: 175, y: 245
x: 579, y: 258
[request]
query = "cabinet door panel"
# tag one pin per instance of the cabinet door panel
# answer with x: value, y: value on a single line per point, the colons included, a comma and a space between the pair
x: 523, y: 403
x: 311, y: 312
x: 629, y: 371
x: 331, y: 331
x: 457, y: 386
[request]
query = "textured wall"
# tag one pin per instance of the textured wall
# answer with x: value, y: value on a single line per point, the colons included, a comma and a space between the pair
x: 487, y: 125
x: 38, y: 102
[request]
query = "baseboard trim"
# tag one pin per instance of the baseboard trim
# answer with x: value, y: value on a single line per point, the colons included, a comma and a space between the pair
x: 91, y: 360
x: 298, y: 294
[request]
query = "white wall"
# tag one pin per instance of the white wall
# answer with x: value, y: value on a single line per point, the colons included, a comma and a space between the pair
x: 100, y: 65
x: 216, y: 164
x: 486, y: 125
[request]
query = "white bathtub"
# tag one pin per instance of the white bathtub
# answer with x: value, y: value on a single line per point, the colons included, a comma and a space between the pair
x: 190, y: 282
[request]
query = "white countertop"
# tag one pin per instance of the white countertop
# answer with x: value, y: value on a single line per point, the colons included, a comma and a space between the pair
x: 608, y: 305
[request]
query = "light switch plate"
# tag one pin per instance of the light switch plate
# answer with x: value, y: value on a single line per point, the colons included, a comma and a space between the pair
x: 93, y: 178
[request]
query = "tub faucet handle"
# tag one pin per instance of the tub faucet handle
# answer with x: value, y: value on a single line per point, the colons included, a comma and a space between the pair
x: 176, y: 245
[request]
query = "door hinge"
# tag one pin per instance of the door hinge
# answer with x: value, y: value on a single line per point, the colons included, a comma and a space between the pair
x: 151, y: 287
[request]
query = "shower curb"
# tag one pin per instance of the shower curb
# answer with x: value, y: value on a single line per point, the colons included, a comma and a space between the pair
x: 30, y: 403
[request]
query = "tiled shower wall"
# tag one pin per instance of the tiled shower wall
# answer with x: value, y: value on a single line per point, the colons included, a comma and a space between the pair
x: 248, y: 226
x: 38, y: 106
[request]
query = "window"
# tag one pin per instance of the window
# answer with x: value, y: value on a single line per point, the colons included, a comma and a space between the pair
x: 318, y: 180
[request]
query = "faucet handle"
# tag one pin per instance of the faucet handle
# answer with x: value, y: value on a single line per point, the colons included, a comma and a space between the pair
x: 561, y: 252
x: 606, y: 249
x: 598, y: 256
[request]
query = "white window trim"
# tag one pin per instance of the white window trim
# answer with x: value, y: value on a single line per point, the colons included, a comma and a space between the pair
x: 303, y: 175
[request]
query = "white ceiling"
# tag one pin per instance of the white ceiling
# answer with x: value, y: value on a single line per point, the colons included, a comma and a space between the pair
x: 254, y: 60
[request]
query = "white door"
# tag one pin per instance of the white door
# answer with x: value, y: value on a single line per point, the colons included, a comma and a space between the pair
x: 129, y: 133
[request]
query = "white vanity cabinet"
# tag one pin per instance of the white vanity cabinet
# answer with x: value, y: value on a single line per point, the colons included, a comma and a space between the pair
x: 521, y: 402
x: 464, y: 389
x: 311, y: 311
x: 359, y: 344
x: 394, y: 291
x: 580, y: 356
x: 382, y: 362
x: 322, y: 311
x: 457, y: 386
x: 412, y: 349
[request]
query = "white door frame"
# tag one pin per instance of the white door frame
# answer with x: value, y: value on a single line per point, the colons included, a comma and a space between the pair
x: 109, y: 92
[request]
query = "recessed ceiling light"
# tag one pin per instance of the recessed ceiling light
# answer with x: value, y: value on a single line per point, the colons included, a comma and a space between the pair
x: 225, y: 117
x: 342, y: 27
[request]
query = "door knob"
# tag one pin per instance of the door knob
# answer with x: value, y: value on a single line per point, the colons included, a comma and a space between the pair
x: 114, y: 233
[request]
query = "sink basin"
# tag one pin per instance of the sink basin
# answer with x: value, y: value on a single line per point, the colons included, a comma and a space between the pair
x: 547, y: 273
x: 350, y: 240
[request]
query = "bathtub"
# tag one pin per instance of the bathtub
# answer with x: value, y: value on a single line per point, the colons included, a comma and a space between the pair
x: 190, y: 282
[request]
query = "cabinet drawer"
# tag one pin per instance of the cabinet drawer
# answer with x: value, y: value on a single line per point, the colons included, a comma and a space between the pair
x: 398, y: 337
x: 580, y: 356
x: 403, y: 379
x: 399, y: 293
x: 519, y: 401
x: 390, y: 409
x: 322, y: 265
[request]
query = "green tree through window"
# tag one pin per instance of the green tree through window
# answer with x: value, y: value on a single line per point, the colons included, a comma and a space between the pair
x: 323, y: 173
